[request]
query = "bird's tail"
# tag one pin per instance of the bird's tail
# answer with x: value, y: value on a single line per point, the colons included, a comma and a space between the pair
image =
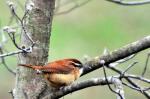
x: 26, y: 65
x: 31, y: 66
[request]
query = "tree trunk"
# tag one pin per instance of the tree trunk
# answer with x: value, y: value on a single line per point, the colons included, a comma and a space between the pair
x: 29, y: 85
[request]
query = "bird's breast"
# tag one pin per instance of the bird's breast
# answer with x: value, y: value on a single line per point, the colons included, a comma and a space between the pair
x: 59, y: 80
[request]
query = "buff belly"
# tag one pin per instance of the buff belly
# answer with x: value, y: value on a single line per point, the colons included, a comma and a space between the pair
x: 59, y: 80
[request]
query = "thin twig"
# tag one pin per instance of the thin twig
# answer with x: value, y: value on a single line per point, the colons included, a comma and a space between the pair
x: 146, y: 94
x: 146, y: 64
x: 129, y: 67
x: 14, y: 40
x: 22, y: 23
x: 26, y: 50
x: 105, y: 75
x: 132, y: 87
x: 122, y: 60
x: 72, y: 8
x: 4, y: 63
x: 129, y: 77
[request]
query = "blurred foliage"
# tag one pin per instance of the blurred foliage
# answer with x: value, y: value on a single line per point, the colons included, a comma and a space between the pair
x: 87, y: 31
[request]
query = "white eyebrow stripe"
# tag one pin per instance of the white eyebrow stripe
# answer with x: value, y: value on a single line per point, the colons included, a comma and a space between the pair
x: 77, y: 64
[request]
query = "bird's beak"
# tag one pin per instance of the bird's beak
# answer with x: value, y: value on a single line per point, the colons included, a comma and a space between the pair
x: 81, y: 71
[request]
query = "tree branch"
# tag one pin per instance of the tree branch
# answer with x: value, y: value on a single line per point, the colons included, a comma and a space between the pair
x: 96, y: 63
x: 130, y: 3
x: 81, y: 85
x: 72, y: 8
x: 132, y: 83
x: 4, y: 63
x: 26, y: 50
x: 116, y: 55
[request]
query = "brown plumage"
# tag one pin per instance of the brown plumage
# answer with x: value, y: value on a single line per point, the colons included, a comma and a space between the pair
x: 59, y: 73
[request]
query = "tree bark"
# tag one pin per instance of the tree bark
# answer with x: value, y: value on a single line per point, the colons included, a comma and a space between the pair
x: 28, y: 84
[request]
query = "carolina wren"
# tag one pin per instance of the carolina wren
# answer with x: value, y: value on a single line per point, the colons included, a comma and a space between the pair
x: 59, y: 73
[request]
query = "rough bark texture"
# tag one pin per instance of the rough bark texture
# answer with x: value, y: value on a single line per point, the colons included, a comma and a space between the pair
x: 39, y: 22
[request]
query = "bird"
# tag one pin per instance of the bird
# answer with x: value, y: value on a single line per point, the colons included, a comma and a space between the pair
x: 59, y: 73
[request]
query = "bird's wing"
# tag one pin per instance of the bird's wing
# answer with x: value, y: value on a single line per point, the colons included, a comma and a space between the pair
x: 58, y: 69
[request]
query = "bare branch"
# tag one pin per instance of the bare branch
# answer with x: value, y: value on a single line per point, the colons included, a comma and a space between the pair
x: 72, y: 8
x: 121, y: 53
x: 119, y: 89
x: 21, y: 20
x: 119, y: 56
x: 138, y: 78
x: 130, y: 3
x: 131, y: 82
x: 146, y: 94
x: 108, y: 58
x: 26, y: 50
x: 11, y: 34
x: 132, y: 87
x: 116, y: 92
x: 129, y: 67
x: 122, y: 60
x: 81, y: 85
x: 146, y: 64
x: 4, y: 63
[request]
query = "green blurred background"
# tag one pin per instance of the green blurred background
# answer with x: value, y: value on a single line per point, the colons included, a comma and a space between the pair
x: 86, y: 31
